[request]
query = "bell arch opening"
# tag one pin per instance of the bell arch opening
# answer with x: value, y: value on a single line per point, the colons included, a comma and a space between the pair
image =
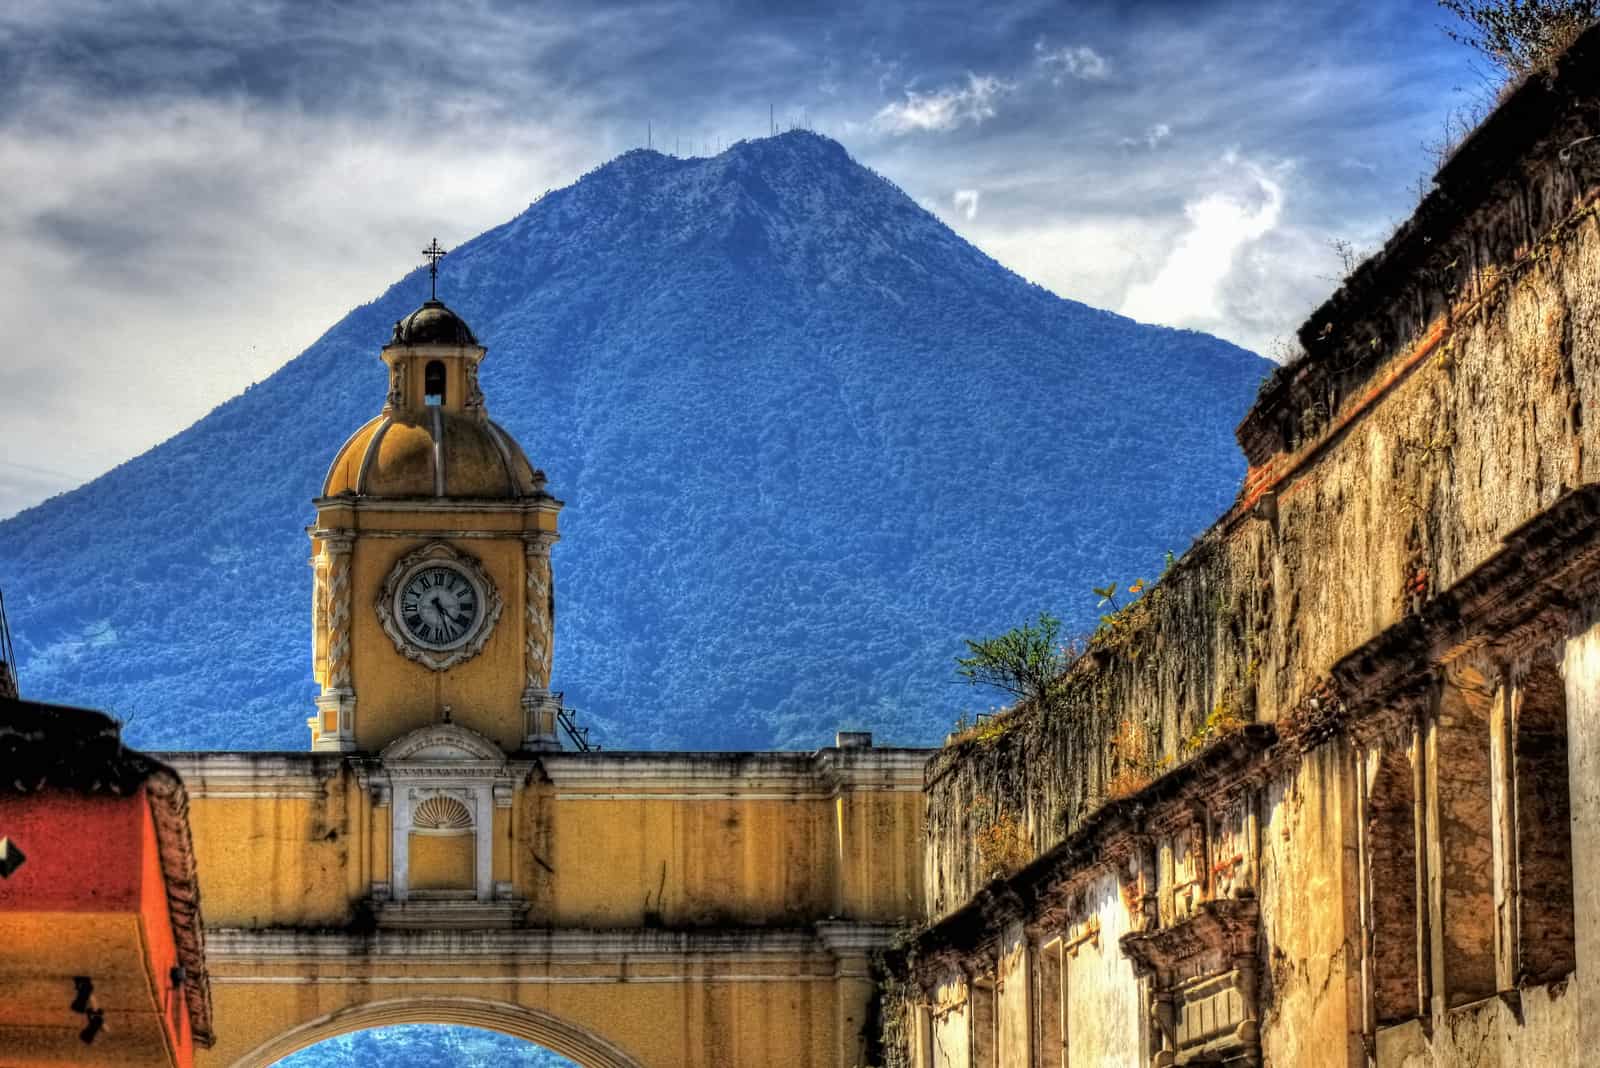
x: 433, y: 383
x: 577, y: 1045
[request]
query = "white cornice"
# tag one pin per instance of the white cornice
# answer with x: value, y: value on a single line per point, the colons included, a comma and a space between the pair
x: 605, y: 775
x: 614, y: 775
x: 277, y: 775
x: 538, y: 503
x: 635, y: 945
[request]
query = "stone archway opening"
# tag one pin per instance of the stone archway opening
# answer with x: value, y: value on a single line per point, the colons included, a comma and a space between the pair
x: 416, y: 1045
x: 568, y: 1043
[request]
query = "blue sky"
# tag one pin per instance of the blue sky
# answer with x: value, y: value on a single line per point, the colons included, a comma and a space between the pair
x: 196, y: 191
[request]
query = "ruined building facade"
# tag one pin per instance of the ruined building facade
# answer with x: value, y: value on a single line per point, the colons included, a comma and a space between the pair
x: 1329, y: 793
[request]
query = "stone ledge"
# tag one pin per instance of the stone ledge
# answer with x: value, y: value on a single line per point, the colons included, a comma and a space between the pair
x: 565, y: 946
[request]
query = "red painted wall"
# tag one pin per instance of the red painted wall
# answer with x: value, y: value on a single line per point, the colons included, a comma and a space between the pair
x: 84, y: 854
x: 98, y: 854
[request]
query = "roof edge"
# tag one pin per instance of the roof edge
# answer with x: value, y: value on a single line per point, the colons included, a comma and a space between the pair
x: 1438, y: 253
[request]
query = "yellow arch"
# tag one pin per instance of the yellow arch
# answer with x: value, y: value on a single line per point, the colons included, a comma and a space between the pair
x: 548, y: 1031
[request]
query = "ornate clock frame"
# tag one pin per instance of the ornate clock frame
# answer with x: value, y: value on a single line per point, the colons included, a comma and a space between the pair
x: 433, y: 554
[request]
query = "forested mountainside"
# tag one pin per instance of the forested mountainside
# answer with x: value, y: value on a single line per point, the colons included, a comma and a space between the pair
x: 808, y: 438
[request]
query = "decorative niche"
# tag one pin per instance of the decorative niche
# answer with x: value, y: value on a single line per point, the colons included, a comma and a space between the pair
x: 1203, y: 1007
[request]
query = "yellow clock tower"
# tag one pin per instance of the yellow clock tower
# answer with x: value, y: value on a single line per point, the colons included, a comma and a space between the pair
x: 433, y: 600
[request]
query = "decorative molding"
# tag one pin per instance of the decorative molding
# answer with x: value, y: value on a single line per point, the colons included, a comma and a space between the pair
x: 436, y: 553
x: 255, y: 775
x: 1203, y: 985
x: 397, y: 388
x: 441, y: 743
x: 169, y: 812
x: 542, y: 503
x: 1114, y: 841
x: 540, y: 607
x: 337, y: 613
x: 610, y: 774
x: 441, y: 812
x: 1531, y: 591
x: 425, y: 915
x: 253, y: 947
x: 473, y: 401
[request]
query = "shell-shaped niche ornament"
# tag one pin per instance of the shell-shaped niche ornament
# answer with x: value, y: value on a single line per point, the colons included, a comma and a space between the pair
x: 440, y: 813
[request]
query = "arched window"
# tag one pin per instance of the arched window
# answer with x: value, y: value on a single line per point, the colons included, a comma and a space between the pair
x: 433, y: 383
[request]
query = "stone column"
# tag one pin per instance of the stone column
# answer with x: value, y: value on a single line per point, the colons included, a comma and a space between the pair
x: 539, y: 706
x: 336, y: 705
x: 1581, y: 671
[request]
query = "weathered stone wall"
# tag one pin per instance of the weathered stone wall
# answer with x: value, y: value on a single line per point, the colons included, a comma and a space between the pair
x: 1442, y: 407
x: 1378, y: 868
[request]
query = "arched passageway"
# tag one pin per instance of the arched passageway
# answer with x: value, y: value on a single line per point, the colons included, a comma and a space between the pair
x: 425, y: 1046
x: 556, y: 1035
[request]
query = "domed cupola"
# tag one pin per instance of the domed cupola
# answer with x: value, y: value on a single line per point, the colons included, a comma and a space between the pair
x: 434, y: 437
x: 433, y: 324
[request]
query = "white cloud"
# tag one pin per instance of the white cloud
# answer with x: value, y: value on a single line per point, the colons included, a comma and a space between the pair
x: 1221, y: 226
x: 943, y: 109
x: 1151, y: 138
x: 966, y: 202
x: 1071, y: 61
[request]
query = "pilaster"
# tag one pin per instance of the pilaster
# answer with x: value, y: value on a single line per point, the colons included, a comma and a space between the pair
x: 540, y: 707
x: 333, y: 729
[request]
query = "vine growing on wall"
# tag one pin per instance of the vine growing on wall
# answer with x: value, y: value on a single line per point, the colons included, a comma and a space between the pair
x: 999, y: 837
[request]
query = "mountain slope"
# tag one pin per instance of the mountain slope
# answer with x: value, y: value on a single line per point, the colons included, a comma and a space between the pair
x: 808, y: 438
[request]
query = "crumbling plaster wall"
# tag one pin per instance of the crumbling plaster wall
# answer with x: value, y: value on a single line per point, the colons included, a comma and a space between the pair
x: 1310, y: 993
x: 1448, y: 399
x: 1102, y: 993
x: 1393, y: 480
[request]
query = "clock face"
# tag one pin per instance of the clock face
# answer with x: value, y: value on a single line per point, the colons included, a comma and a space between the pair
x: 439, y: 607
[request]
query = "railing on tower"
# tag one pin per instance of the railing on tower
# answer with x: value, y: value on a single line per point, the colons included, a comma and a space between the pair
x: 8, y: 656
x: 569, y: 723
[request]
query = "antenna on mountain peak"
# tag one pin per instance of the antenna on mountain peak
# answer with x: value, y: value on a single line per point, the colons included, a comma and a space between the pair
x: 434, y: 254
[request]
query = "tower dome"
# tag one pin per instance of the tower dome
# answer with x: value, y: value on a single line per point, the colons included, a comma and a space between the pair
x: 433, y: 324
x: 440, y: 454
x: 434, y: 437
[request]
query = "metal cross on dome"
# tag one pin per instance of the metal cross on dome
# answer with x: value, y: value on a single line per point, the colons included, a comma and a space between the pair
x: 434, y: 253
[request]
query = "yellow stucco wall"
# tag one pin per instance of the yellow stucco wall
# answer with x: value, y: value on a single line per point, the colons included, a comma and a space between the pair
x: 737, y: 872
x: 282, y: 859
x: 442, y: 862
x: 271, y: 855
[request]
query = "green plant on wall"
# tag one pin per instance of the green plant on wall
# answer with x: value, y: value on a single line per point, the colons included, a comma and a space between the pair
x: 1025, y: 662
x: 1223, y: 719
